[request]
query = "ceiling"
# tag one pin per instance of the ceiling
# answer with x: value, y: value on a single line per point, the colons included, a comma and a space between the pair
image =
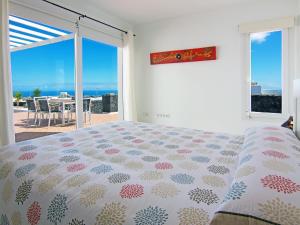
x: 145, y: 11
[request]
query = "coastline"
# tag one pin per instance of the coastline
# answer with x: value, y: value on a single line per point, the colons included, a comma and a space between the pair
x: 55, y: 93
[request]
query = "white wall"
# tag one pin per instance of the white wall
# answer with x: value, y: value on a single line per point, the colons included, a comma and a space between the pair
x: 205, y: 95
x: 95, y: 12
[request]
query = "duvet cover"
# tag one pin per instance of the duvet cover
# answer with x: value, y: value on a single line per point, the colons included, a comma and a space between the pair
x: 117, y: 173
x: 147, y: 174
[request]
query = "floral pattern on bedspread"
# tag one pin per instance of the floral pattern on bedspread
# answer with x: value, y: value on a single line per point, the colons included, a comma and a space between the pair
x: 121, y: 173
x: 266, y: 184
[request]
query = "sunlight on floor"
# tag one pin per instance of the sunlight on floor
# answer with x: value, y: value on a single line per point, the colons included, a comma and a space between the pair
x: 24, y: 131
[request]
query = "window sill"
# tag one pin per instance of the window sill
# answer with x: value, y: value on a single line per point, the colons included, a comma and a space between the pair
x: 258, y: 115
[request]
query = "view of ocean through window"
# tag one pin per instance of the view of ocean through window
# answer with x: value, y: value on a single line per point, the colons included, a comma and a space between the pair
x: 266, y: 72
x: 43, y: 80
x: 50, y: 68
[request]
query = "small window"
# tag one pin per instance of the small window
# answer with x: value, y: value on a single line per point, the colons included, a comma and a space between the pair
x: 266, y: 72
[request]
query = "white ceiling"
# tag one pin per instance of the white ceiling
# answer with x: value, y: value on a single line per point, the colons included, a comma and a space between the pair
x: 145, y: 11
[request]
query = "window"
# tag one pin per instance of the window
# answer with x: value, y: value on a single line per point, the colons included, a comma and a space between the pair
x: 42, y: 68
x: 44, y: 79
x: 100, y: 82
x: 267, y: 95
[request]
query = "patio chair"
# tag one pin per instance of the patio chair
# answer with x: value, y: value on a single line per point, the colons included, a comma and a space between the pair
x: 36, y: 102
x: 46, y: 109
x: 31, y: 108
x: 86, y: 110
x: 38, y: 98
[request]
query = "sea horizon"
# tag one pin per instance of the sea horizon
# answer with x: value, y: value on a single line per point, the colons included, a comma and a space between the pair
x: 29, y: 93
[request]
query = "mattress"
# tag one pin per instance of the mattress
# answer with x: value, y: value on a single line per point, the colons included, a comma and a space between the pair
x: 137, y: 173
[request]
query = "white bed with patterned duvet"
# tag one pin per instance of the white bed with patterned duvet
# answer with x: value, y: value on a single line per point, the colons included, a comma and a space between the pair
x: 147, y: 174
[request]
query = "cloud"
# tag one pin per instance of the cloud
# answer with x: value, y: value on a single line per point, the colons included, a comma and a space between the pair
x: 259, y: 37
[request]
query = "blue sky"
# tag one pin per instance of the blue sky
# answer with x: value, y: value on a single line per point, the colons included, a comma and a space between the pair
x: 266, y: 49
x: 51, y: 67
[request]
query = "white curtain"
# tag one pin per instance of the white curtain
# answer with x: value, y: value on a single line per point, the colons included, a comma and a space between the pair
x: 6, y: 108
x: 129, y: 101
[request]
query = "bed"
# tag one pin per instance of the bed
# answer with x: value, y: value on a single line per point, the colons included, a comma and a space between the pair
x: 147, y: 174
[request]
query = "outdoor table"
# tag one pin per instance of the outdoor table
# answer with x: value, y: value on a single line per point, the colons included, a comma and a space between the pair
x: 63, y: 102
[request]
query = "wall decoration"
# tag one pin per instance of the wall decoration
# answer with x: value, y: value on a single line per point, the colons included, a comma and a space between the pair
x: 187, y: 55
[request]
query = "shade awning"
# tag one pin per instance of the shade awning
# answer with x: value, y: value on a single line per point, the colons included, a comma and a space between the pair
x: 23, y: 32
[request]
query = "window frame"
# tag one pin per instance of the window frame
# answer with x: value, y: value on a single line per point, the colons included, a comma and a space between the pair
x: 44, y: 14
x: 284, y: 78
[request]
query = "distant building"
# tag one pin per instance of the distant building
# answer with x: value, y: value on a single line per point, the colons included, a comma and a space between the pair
x: 255, y: 89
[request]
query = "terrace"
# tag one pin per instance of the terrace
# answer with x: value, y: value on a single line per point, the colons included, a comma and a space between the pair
x: 33, y: 46
x: 23, y: 131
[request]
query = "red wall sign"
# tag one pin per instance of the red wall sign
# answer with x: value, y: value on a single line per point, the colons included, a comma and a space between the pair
x: 187, y: 55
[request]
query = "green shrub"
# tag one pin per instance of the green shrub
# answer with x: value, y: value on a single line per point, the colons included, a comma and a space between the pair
x: 37, y: 92
x: 18, y: 97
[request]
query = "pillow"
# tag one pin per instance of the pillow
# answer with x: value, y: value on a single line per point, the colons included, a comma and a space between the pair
x: 266, y: 185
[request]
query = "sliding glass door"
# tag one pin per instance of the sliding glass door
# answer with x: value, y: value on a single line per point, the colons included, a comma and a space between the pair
x: 100, y: 82
x: 51, y: 66
x: 42, y: 65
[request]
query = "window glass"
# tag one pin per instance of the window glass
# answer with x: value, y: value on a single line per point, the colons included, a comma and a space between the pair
x: 42, y: 79
x: 266, y: 72
x: 100, y: 82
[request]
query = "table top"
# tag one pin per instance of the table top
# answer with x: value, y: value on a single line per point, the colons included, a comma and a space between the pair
x: 62, y: 100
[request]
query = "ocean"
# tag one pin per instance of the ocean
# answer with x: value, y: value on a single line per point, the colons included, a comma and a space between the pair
x: 87, y: 93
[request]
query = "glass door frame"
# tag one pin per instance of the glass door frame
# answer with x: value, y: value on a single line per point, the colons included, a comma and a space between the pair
x: 78, y: 30
x: 79, y: 34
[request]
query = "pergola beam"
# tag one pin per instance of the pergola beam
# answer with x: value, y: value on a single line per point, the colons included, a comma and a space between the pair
x: 19, y: 35
x: 35, y: 25
x: 21, y: 41
x: 28, y: 31
x: 15, y: 44
x: 45, y: 42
